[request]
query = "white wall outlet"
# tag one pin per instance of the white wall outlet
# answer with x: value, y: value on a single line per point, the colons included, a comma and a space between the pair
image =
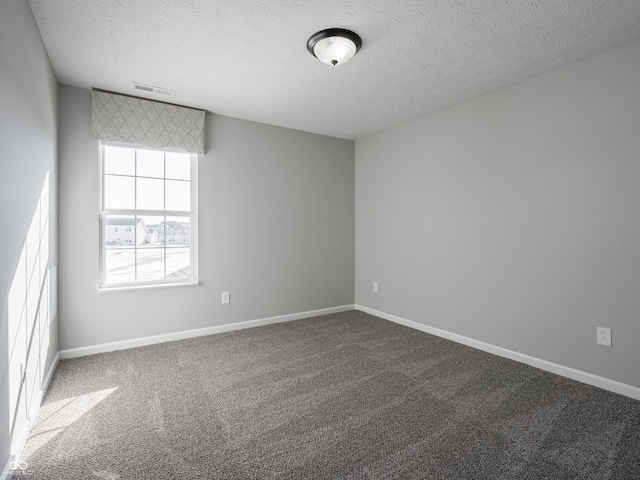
x: 603, y: 336
x: 225, y: 297
x: 375, y: 287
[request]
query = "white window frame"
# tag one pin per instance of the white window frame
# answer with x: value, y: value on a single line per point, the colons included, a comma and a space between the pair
x: 193, y: 214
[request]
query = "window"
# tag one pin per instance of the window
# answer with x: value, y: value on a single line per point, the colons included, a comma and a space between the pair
x: 151, y: 196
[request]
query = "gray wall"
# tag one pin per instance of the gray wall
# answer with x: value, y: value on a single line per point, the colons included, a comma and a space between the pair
x: 514, y: 218
x: 276, y: 230
x: 28, y: 143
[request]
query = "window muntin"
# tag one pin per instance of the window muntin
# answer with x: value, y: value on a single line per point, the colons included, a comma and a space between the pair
x: 148, y: 197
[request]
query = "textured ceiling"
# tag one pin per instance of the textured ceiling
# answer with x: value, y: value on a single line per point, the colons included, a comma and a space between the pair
x: 248, y: 58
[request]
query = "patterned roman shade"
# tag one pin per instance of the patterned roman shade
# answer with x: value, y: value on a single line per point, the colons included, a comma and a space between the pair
x: 124, y: 119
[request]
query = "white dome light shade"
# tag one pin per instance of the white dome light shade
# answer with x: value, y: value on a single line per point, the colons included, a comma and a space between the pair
x: 334, y: 46
x: 334, y: 50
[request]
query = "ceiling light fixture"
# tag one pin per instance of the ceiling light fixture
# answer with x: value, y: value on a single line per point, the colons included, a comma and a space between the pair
x: 334, y: 46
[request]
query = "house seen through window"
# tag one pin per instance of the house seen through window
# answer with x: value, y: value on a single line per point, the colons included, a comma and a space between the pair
x: 148, y: 217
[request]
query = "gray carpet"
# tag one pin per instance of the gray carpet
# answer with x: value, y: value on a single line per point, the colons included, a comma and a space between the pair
x: 343, y: 396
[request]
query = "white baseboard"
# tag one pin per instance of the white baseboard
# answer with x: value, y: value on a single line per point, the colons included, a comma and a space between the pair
x: 47, y: 378
x: 200, y: 332
x: 572, y: 373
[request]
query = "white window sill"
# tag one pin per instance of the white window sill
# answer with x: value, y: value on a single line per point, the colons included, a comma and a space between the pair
x: 146, y: 287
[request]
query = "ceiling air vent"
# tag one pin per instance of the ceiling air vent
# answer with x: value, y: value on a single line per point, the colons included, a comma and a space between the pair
x: 157, y: 90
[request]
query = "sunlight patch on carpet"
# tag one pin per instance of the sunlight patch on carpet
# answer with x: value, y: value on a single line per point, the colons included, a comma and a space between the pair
x: 55, y: 416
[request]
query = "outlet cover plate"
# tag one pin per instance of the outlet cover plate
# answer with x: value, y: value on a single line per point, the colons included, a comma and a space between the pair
x: 603, y: 336
x: 225, y: 297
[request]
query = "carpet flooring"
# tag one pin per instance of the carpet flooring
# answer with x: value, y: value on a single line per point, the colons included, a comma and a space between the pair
x: 343, y: 396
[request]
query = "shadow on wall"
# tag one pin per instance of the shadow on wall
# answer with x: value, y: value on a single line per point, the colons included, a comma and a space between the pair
x: 29, y: 316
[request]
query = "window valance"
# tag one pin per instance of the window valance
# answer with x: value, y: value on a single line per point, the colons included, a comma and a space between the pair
x: 125, y: 119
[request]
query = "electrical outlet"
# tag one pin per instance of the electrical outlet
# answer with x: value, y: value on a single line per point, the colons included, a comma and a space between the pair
x: 375, y: 287
x: 603, y: 336
x: 225, y: 297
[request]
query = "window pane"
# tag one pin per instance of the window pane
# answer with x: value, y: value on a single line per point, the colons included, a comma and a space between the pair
x: 178, y: 195
x: 177, y: 227
x: 178, y: 166
x: 119, y: 161
x: 150, y: 194
x: 155, y: 230
x: 178, y: 262
x: 120, y: 265
x: 120, y: 230
x: 150, y: 163
x: 150, y: 264
x: 178, y: 231
x: 119, y: 192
